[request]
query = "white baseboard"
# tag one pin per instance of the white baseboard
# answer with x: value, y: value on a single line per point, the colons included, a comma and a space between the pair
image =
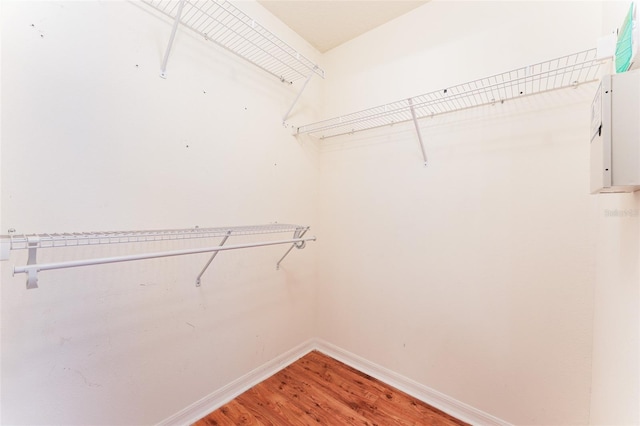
x: 451, y: 406
x: 218, y: 398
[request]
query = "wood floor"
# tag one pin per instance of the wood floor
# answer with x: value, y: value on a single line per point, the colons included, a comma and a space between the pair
x: 318, y: 390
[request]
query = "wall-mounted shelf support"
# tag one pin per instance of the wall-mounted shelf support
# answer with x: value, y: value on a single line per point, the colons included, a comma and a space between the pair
x: 38, y: 241
x: 174, y: 29
x: 33, y: 243
x: 298, y: 234
x: 213, y: 256
x: 415, y: 122
x: 286, y: 114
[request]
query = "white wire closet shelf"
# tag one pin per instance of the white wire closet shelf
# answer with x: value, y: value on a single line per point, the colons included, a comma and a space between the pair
x: 229, y: 27
x: 33, y: 242
x: 46, y: 240
x: 566, y: 71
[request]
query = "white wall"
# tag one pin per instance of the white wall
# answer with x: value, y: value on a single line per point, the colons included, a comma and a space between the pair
x: 473, y: 276
x: 615, y: 397
x: 93, y: 139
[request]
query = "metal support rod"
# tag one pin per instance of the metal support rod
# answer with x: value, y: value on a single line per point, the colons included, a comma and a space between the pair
x: 415, y: 122
x: 291, y: 248
x: 163, y: 70
x: 286, y: 115
x: 213, y: 256
x: 34, y: 269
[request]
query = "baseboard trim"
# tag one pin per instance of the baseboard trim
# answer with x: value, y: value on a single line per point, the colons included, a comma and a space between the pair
x: 218, y: 398
x: 430, y: 396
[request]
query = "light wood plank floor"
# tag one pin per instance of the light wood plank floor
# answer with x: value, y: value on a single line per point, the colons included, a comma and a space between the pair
x: 318, y: 390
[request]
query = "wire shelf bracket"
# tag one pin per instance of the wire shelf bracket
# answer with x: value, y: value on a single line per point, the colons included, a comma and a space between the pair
x: 174, y: 29
x: 567, y: 71
x: 220, y: 22
x: 213, y: 256
x: 415, y: 123
x: 34, y: 242
x: 286, y: 114
x: 297, y: 235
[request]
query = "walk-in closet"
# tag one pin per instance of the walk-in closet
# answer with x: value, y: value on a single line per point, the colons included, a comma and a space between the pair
x: 319, y: 212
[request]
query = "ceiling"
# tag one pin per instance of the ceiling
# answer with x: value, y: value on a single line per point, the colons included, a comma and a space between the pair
x: 326, y: 24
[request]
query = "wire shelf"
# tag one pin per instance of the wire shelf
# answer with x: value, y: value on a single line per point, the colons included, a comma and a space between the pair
x: 22, y: 241
x: 33, y: 242
x: 566, y: 71
x: 229, y: 27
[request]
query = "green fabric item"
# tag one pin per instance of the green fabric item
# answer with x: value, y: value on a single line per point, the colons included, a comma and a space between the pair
x: 624, y: 45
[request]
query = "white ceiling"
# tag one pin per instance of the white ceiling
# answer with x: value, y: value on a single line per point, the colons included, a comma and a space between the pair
x: 326, y: 24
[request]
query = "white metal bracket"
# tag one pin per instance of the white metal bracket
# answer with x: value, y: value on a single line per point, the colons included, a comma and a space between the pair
x: 298, y: 233
x: 415, y: 122
x: 32, y: 273
x: 213, y: 256
x: 286, y: 114
x: 163, y: 70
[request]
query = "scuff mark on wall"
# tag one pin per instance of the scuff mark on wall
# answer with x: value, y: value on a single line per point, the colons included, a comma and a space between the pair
x: 84, y: 378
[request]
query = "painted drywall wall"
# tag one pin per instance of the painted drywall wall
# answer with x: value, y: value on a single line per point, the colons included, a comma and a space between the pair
x: 473, y: 276
x: 615, y: 397
x: 93, y: 139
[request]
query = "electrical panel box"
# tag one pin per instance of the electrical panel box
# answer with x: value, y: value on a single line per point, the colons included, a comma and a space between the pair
x: 615, y: 134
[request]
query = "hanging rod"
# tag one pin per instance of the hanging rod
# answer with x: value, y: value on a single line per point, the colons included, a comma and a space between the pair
x: 229, y: 27
x: 33, y: 242
x: 566, y: 71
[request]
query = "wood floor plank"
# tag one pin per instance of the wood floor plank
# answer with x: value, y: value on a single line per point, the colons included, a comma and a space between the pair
x: 301, y: 415
x: 319, y: 390
x: 238, y: 415
x: 391, y: 402
x: 309, y: 393
x: 341, y: 382
x: 354, y: 383
x: 268, y: 408
x: 347, y: 405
